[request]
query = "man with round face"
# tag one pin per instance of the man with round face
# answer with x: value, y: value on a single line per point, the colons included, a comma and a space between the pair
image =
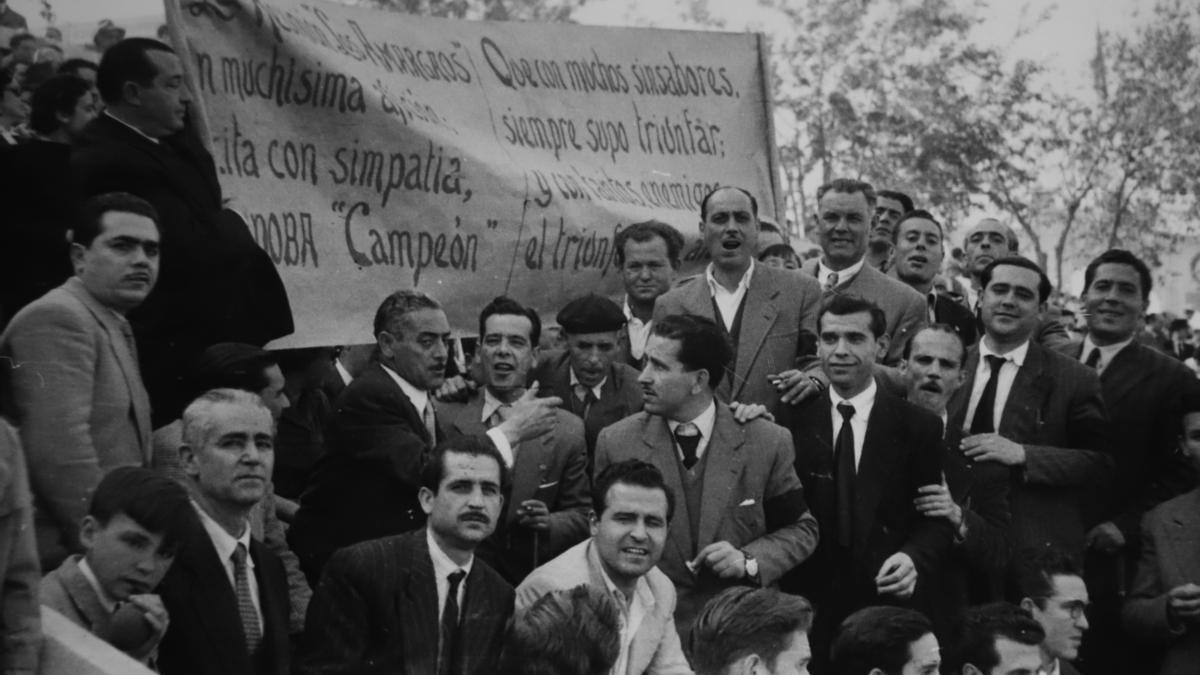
x: 918, y: 262
x: 457, y: 607
x: 1061, y: 444
x: 648, y: 255
x: 78, y: 394
x: 550, y: 499
x: 632, y: 509
x: 686, y: 431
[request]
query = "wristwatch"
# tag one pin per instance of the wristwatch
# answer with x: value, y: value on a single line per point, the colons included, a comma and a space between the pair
x: 751, y: 566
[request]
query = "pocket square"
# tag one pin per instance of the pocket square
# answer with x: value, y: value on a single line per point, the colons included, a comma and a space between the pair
x: 748, y: 502
x: 548, y: 485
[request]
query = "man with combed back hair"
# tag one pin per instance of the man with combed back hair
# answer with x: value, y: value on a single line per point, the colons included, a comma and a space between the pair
x: 752, y: 630
x: 565, y: 632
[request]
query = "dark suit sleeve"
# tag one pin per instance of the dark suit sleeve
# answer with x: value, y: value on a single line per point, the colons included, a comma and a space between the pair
x: 987, y: 516
x: 792, y: 532
x: 930, y: 538
x: 569, y: 520
x: 1145, y: 612
x: 1086, y: 461
x: 336, y: 628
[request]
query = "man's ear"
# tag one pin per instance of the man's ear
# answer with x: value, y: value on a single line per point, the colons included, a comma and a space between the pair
x: 969, y: 669
x: 131, y: 92
x: 882, y: 343
x: 425, y: 496
x: 1028, y: 605
x: 187, y: 460
x: 88, y: 529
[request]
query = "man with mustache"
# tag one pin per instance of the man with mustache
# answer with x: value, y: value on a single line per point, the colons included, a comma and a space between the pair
x: 1033, y: 410
x: 972, y: 497
x: 73, y: 384
x: 920, y: 249
x: 547, y: 507
x: 742, y: 516
x: 226, y: 594
x: 762, y: 311
x: 1050, y: 587
x: 367, y: 483
x: 420, y: 602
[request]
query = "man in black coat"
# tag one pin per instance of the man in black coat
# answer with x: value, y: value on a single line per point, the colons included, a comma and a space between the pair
x: 217, y: 284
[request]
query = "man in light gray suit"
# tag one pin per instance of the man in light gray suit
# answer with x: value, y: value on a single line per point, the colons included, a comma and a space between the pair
x: 633, y: 507
x: 742, y: 516
x: 845, y: 209
x: 763, y: 311
x: 74, y: 388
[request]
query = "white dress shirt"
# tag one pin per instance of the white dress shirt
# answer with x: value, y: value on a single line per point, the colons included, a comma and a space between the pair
x: 631, y: 612
x: 226, y: 544
x: 728, y: 301
x: 420, y: 398
x: 1107, y: 353
x: 1013, y: 361
x: 704, y: 422
x: 844, y: 276
x: 638, y: 330
x: 342, y: 372
x: 443, y: 567
x: 135, y: 130
x: 862, y: 402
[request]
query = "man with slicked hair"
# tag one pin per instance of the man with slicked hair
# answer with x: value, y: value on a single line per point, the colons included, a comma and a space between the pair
x: 752, y: 630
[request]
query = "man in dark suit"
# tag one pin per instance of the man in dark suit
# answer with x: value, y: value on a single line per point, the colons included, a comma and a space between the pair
x: 920, y: 249
x: 593, y: 385
x: 219, y: 286
x: 1144, y: 391
x: 1032, y: 409
x: 547, y: 506
x: 762, y: 310
x: 741, y: 517
x: 366, y: 484
x: 973, y: 497
x: 648, y: 255
x: 420, y: 603
x: 73, y: 385
x: 845, y: 211
x: 226, y: 593
x: 862, y: 454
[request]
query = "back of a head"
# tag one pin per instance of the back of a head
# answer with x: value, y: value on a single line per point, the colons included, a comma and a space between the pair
x: 575, y: 631
x: 232, y: 365
x: 56, y: 96
x: 150, y: 499
x: 744, y: 621
x: 877, y: 638
x: 973, y: 640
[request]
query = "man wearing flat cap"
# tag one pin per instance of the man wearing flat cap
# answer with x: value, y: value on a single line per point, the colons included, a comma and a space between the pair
x: 585, y: 376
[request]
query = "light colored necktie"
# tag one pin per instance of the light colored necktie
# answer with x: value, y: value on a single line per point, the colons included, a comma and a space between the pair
x: 428, y: 416
x: 250, y: 627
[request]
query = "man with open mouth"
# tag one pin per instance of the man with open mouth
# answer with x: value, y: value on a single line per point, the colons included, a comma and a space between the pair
x: 920, y: 250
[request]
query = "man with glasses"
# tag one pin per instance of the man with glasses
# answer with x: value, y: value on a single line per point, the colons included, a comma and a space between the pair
x: 1050, y: 587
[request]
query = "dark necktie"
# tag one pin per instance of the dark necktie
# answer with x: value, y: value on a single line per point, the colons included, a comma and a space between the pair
x: 983, y: 423
x: 688, y: 438
x: 1093, y: 359
x: 241, y: 583
x: 449, y: 634
x: 844, y: 478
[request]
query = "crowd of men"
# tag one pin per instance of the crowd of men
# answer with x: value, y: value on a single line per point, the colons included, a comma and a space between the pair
x: 851, y: 464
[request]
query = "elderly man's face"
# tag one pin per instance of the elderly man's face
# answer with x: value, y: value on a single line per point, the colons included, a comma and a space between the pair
x: 985, y: 243
x: 233, y: 462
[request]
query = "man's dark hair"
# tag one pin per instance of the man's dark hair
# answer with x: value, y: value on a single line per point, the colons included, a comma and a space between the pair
x: 906, y: 202
x: 877, y: 637
x: 57, y: 95
x: 779, y: 251
x: 434, y: 468
x: 704, y: 202
x: 127, y: 61
x: 1191, y: 404
x: 630, y: 472
x: 741, y: 621
x: 232, y: 365
x: 395, y: 306
x: 20, y: 38
x: 918, y: 213
x: 938, y: 328
x: 1118, y: 256
x: 974, y: 639
x: 702, y: 345
x: 73, y: 66
x: 646, y: 231
x: 149, y: 498
x: 506, y: 306
x: 1178, y: 325
x: 1033, y: 571
x: 849, y: 186
x: 574, y: 631
x: 1044, y: 286
x: 88, y: 225
x: 845, y: 304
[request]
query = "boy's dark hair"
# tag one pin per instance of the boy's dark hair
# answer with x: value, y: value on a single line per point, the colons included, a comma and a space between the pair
x: 149, y: 498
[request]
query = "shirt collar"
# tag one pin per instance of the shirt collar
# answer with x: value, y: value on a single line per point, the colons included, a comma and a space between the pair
x: 844, y: 276
x: 705, y: 421
x: 490, y: 405
x: 342, y: 372
x: 1017, y: 355
x: 135, y: 130
x: 1107, y: 352
x: 108, y: 603
x: 224, y: 542
x: 595, y: 390
x: 443, y: 566
x: 641, y: 589
x: 419, y: 398
x: 742, y: 285
x: 629, y: 317
x: 862, y: 401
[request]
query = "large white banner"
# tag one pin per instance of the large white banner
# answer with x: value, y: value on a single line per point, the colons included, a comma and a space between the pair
x: 372, y: 151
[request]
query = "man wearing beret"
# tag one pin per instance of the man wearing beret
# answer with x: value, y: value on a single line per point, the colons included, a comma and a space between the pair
x: 585, y: 376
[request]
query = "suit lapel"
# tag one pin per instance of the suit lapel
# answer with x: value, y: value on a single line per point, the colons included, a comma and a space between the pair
x: 417, y: 608
x: 1181, y: 537
x: 758, y: 315
x: 216, y: 608
x: 724, y: 463
x: 661, y: 451
x: 274, y: 609
x: 1124, y: 375
x: 874, y: 467
x: 1024, y: 405
x: 83, y: 596
x: 481, y: 616
x: 957, y: 407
